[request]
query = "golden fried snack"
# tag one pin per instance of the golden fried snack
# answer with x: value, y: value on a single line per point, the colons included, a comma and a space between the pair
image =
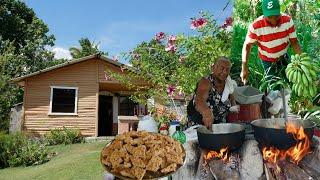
x: 121, y: 137
x: 116, y: 144
x: 164, y: 163
x: 115, y: 159
x: 127, y: 172
x: 106, y: 152
x: 154, y: 163
x: 128, y: 140
x: 137, y: 161
x: 136, y: 141
x: 134, y: 154
x: 143, y: 134
x: 174, y: 158
x: 129, y: 148
x: 106, y: 161
x: 140, y: 151
x: 138, y: 172
x: 170, y: 168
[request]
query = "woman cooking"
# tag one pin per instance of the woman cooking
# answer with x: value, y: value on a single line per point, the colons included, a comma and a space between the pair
x: 214, y: 95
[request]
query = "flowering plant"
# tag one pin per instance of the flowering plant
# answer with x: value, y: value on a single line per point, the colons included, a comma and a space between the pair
x: 164, y: 115
x: 171, y: 65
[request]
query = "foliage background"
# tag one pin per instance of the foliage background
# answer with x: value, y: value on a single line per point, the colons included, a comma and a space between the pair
x: 179, y: 70
x: 306, y: 16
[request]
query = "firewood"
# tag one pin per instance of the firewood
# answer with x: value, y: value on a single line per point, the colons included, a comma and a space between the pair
x: 273, y: 173
x: 268, y: 173
x: 222, y: 171
x: 203, y: 171
x: 311, y: 162
x: 310, y: 171
x: 292, y: 171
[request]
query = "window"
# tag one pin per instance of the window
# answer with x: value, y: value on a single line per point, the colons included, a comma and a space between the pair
x: 63, y: 100
x: 127, y: 107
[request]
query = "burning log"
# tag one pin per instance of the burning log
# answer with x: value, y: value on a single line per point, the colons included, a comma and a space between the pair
x: 224, y: 170
x: 212, y: 165
x: 311, y: 163
x: 285, y: 170
x: 203, y: 171
x: 272, y: 174
x: 251, y: 164
x: 307, y: 168
x: 292, y: 171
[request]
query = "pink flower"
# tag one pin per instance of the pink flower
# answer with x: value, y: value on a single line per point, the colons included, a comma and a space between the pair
x: 135, y: 56
x: 227, y: 23
x: 122, y: 68
x: 182, y: 59
x: 115, y: 58
x: 171, y: 47
x: 172, y: 39
x: 171, y: 89
x: 181, y: 93
x: 198, y: 23
x: 159, y: 36
x: 106, y: 77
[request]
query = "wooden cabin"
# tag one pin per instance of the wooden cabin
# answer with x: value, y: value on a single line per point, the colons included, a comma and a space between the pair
x: 76, y: 94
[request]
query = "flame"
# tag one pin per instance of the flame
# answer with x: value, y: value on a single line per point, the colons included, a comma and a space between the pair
x: 294, y: 153
x: 222, y: 154
x: 302, y: 148
x: 272, y: 155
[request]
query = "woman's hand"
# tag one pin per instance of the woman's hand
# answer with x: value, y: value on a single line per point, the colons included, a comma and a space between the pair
x: 207, y: 119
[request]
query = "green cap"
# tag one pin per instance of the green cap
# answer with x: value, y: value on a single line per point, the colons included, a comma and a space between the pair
x: 270, y: 7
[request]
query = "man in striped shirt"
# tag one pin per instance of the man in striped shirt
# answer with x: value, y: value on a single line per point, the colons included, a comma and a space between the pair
x: 273, y: 32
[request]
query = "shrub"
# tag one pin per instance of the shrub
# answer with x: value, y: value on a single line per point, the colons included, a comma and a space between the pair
x: 17, y: 150
x: 64, y: 136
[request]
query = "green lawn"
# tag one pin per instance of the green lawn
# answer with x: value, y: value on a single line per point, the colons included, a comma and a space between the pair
x: 76, y: 161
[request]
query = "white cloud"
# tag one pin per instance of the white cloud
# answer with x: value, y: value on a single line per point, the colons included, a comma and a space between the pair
x: 60, y: 52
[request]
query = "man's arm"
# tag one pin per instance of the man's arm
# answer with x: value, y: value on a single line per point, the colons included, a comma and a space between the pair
x: 296, y: 47
x: 293, y: 38
x: 251, y: 38
x: 245, y: 60
x: 201, y: 106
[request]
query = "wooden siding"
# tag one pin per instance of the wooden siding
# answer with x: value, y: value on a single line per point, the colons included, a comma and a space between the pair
x: 88, y: 76
x: 37, y: 99
x: 112, y: 85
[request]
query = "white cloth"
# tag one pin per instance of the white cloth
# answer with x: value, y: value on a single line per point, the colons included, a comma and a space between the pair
x: 235, y: 108
x: 277, y: 102
x: 147, y: 123
x: 228, y: 88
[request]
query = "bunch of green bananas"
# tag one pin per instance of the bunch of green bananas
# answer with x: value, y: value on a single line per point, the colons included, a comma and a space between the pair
x: 302, y: 72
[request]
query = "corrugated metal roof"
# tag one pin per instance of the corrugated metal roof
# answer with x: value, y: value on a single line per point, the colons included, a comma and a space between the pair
x: 73, y: 61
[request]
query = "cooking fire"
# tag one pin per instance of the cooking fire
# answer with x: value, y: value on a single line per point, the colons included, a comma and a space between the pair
x: 295, y: 153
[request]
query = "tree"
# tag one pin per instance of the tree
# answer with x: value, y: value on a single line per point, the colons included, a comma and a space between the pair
x: 24, y: 40
x: 86, y: 48
x: 173, y: 65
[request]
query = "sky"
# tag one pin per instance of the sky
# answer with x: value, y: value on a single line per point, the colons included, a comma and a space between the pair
x: 119, y: 26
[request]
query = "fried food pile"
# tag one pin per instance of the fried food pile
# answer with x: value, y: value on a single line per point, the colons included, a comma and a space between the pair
x: 139, y: 154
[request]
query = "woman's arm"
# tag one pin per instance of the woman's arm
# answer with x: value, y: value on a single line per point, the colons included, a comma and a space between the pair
x: 201, y: 106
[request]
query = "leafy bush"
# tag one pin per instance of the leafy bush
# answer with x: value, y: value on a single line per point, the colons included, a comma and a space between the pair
x: 175, y: 63
x: 17, y: 150
x: 305, y: 15
x: 64, y: 136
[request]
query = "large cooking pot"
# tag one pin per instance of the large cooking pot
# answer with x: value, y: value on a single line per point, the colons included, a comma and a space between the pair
x: 272, y: 132
x: 223, y: 135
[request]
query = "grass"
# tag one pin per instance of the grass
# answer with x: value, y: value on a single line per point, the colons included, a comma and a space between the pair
x: 75, y: 161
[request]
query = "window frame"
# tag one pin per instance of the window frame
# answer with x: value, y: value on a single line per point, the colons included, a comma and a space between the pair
x: 76, y: 101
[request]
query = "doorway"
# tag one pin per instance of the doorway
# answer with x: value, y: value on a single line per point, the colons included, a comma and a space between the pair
x: 105, y: 119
